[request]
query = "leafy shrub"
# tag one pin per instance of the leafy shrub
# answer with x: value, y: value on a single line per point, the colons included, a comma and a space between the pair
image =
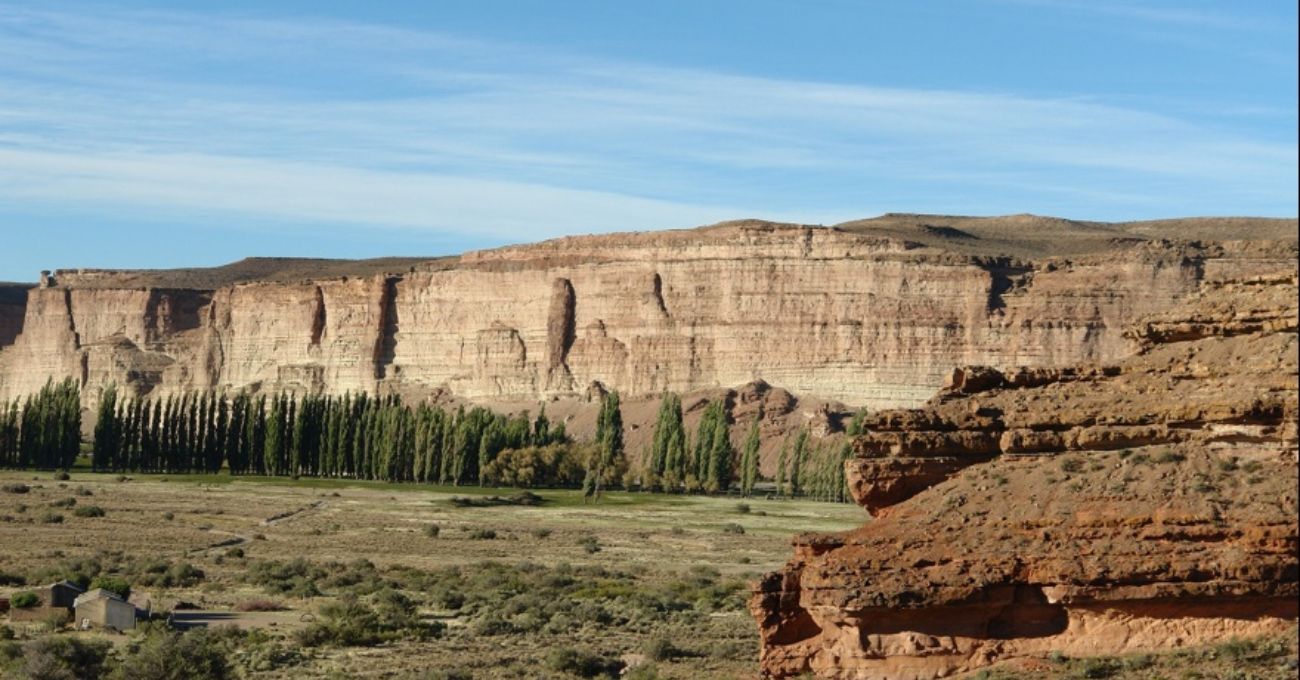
x: 542, y: 533
x: 483, y: 534
x: 490, y: 625
x: 15, y: 488
x: 582, y: 663
x: 743, y: 508
x: 1235, y: 649
x: 51, y: 518
x: 113, y: 584
x: 642, y: 672
x: 300, y: 578
x: 164, y: 655
x: 1138, y: 662
x: 1099, y: 668
x: 590, y: 544
x: 89, y: 511
x: 498, y: 599
x: 1072, y: 465
x: 661, y: 649
x: 63, y: 502
x: 63, y: 656
x: 170, y: 575
x: 561, y: 465
x: 62, y: 476
x: 6, y: 633
x: 349, y: 622
x: 24, y: 600
x: 296, y: 578
x: 83, y: 491
x: 79, y: 571
x: 733, y: 528
x: 432, y: 530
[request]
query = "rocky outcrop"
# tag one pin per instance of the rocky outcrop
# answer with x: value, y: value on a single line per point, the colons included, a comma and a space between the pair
x: 1137, y: 505
x: 836, y: 314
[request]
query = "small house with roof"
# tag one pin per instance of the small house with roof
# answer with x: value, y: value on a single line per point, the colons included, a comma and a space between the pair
x: 101, y: 608
x: 53, y: 600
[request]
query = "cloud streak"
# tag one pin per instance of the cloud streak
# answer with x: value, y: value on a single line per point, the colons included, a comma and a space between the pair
x: 351, y: 124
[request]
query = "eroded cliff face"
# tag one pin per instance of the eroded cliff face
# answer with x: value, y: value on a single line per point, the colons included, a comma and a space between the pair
x: 1137, y: 505
x: 13, y: 308
x: 821, y: 312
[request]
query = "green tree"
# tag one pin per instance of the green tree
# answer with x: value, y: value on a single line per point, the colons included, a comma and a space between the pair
x: 855, y: 426
x: 782, y: 464
x: 107, y: 431
x: 797, y: 459
x: 668, y: 449
x: 749, y: 459
x: 609, y: 460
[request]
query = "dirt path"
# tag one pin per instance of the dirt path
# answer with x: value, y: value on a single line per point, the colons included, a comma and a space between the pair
x: 276, y: 519
x: 240, y: 539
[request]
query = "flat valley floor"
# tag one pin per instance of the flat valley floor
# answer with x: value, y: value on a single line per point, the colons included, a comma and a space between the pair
x: 561, y: 587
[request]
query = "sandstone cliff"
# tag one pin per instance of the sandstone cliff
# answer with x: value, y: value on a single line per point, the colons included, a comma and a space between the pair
x: 1122, y: 506
x: 873, y: 315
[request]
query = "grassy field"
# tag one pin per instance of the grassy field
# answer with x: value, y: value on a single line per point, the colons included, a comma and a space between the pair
x: 457, y: 582
x: 653, y: 581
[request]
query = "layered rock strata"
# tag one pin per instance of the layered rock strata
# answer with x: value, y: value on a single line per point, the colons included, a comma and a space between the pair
x: 1138, y: 505
x: 823, y: 312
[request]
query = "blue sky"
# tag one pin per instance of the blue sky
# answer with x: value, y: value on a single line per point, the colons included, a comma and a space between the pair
x: 147, y: 134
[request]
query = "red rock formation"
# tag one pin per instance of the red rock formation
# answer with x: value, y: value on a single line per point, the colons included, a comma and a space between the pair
x: 1141, y: 505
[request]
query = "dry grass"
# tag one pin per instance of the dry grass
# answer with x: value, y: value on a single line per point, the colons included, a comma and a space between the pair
x: 645, y: 541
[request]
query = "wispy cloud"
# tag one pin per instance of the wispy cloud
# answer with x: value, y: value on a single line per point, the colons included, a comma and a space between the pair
x: 1235, y: 20
x: 315, y: 192
x: 323, y: 121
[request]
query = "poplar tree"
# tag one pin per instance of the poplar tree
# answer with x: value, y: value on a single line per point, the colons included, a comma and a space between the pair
x: 609, y: 459
x: 749, y: 459
x: 106, y: 430
x: 797, y: 459
x: 782, y: 462
x: 668, y: 449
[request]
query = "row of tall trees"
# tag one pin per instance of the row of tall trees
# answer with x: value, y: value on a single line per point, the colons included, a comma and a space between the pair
x: 352, y: 436
x: 365, y: 437
x: 42, y: 430
x: 708, y: 462
x: 816, y: 471
x: 708, y: 465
